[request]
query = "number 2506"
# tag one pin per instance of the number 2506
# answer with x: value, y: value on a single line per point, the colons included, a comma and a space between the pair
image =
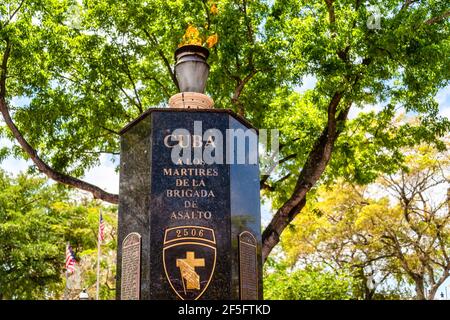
x: 189, y: 232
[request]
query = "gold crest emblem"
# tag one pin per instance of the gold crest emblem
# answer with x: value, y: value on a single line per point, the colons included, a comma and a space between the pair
x: 189, y: 258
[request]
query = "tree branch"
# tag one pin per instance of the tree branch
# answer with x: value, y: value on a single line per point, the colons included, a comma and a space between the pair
x: 166, y: 62
x: 130, y: 77
x: 266, y: 176
x: 13, y: 14
x: 250, y: 32
x: 315, y: 165
x: 265, y: 186
x: 437, y: 19
x: 4, y: 67
x: 132, y: 101
x: 109, y: 130
x: 407, y: 4
x: 163, y: 87
x: 238, y: 91
x: 208, y: 15
x: 331, y: 14
x: 42, y: 166
x: 97, y: 192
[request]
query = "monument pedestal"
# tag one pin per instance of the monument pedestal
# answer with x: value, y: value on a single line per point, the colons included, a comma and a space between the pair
x: 189, y: 227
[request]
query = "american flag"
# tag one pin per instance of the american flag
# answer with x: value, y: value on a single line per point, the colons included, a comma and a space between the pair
x: 70, y: 259
x: 101, y: 228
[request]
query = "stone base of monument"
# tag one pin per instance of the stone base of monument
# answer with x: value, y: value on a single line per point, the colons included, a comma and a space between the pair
x: 189, y: 226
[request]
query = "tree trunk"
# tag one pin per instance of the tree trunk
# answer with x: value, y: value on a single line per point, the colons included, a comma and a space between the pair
x: 432, y: 293
x: 315, y: 165
x: 420, y: 289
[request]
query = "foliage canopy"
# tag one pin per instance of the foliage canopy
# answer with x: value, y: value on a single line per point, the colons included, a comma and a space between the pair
x: 74, y: 72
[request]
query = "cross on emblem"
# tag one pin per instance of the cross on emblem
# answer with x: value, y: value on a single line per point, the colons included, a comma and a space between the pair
x: 192, y: 261
x: 187, y: 268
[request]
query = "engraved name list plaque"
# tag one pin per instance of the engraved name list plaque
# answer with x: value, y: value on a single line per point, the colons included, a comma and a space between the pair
x: 131, y: 267
x: 248, y: 266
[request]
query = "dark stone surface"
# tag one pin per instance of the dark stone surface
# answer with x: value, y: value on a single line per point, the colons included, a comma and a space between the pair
x: 244, y: 210
x: 134, y: 198
x: 148, y: 208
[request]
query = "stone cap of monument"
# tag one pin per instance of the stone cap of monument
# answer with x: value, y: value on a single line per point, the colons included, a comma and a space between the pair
x: 150, y: 110
x: 191, y: 100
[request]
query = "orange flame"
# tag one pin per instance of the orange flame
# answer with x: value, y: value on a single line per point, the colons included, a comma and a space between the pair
x: 191, y: 36
x: 212, y: 40
x: 214, y: 9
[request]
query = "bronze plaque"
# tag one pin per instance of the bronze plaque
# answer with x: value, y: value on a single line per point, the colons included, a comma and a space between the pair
x: 131, y: 267
x: 189, y: 259
x: 248, y: 266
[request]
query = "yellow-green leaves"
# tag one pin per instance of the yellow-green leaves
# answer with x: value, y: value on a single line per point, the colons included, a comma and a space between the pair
x: 399, y: 225
x: 37, y: 219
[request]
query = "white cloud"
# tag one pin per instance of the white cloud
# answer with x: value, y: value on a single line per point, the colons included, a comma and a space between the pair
x: 11, y: 164
x: 266, y: 212
x: 354, y: 111
x: 105, y: 175
x: 445, y: 112
x: 309, y: 82
x: 443, y: 98
x: 15, y: 166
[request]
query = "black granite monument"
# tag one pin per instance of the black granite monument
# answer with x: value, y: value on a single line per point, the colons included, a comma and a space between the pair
x: 189, y: 207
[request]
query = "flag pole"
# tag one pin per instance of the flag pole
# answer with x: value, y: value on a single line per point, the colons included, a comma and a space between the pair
x: 66, y: 289
x: 98, y: 256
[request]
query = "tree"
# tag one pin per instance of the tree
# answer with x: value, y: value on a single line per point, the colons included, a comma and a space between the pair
x: 305, y: 284
x: 421, y: 244
x: 81, y: 220
x: 36, y: 222
x: 329, y: 233
x: 31, y: 255
x: 89, y: 256
x: 85, y: 70
x: 405, y: 238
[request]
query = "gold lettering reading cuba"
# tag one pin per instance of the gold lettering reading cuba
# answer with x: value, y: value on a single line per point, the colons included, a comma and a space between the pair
x: 190, y: 278
x: 185, y: 141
